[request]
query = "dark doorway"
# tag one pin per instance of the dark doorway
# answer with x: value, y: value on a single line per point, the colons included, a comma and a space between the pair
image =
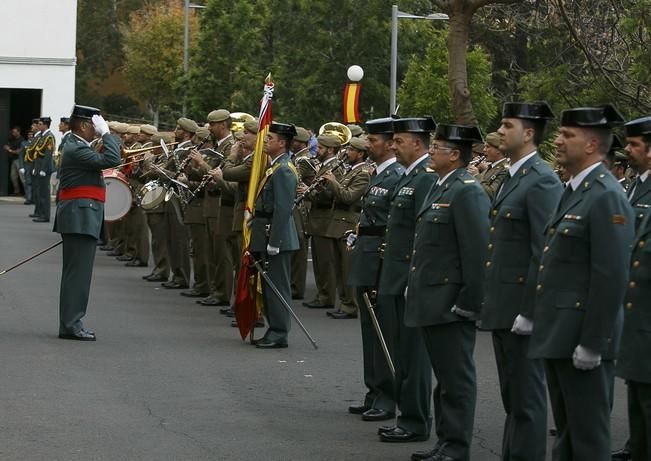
x: 17, y: 107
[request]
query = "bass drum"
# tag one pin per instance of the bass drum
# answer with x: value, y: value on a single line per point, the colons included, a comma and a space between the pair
x: 118, y: 195
x: 152, y: 194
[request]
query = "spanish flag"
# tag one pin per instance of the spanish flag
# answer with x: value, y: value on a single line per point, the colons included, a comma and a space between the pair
x: 351, y: 102
x: 248, y: 298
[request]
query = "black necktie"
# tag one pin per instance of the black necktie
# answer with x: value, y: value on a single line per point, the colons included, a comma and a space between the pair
x: 566, y: 196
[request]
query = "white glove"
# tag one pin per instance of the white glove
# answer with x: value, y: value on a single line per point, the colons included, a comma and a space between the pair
x: 272, y: 251
x: 585, y: 359
x: 350, y: 240
x: 522, y: 326
x: 462, y: 313
x: 101, y: 127
x: 248, y: 219
x: 41, y: 173
x: 21, y: 170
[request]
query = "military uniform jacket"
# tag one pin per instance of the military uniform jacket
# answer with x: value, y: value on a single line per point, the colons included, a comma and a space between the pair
x: 44, y: 150
x: 348, y: 194
x: 365, y: 257
x: 219, y: 193
x: 273, y: 223
x: 518, y: 218
x: 306, y: 173
x: 28, y: 151
x: 59, y: 153
x: 583, y: 271
x: 406, y: 201
x: 493, y: 177
x: 639, y: 194
x: 447, y: 266
x: 633, y: 360
x: 322, y: 204
x: 82, y: 166
x: 239, y: 171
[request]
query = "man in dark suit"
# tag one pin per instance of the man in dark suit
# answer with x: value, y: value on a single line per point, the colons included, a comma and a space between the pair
x: 413, y: 378
x: 639, y: 192
x: 80, y: 214
x: 366, y: 264
x: 581, y: 284
x: 519, y: 214
x: 273, y: 232
x: 445, y: 286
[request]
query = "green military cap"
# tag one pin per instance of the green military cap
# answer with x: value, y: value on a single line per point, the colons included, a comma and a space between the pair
x: 359, y: 144
x: 120, y: 128
x: 202, y: 133
x: 156, y: 138
x: 328, y: 140
x: 148, y: 129
x: 238, y: 135
x: 355, y: 130
x: 218, y: 115
x: 112, y: 125
x: 302, y: 135
x: 187, y: 125
x: 493, y: 139
x: 133, y: 129
x: 251, y: 126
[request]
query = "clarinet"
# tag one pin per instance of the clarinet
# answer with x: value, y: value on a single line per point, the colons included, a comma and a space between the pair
x: 338, y: 164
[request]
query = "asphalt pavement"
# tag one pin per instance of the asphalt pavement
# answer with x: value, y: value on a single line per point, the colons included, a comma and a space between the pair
x: 169, y: 379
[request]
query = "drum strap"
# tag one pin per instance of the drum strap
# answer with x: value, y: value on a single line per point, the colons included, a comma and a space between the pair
x: 90, y: 192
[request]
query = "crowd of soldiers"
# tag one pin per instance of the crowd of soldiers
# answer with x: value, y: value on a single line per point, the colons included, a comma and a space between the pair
x: 426, y: 240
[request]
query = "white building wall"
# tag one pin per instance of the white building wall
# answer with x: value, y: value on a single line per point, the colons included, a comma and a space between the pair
x: 37, y: 51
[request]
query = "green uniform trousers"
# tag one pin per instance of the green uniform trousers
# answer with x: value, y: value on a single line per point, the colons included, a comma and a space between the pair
x: 331, y: 265
x: 156, y: 223
x: 78, y: 259
x: 220, y: 268
x: 178, y: 243
x: 41, y: 196
x: 278, y: 318
x: 299, y: 267
x: 200, y: 256
x: 639, y: 419
x: 137, y: 234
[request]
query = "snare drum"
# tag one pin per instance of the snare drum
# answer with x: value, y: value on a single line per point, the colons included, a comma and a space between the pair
x: 151, y: 195
x: 118, y: 195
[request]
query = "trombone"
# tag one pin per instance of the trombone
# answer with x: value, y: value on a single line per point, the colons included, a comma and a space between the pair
x: 128, y: 153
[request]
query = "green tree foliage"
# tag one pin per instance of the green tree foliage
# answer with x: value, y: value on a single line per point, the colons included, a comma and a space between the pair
x: 424, y: 89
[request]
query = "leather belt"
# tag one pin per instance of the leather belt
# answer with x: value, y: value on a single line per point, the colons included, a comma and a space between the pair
x: 374, y: 231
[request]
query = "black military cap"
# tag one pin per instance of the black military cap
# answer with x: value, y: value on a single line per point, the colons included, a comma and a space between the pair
x: 45, y: 119
x: 414, y: 125
x: 86, y: 112
x: 638, y: 127
x: 538, y: 110
x: 380, y: 125
x: 459, y: 133
x: 64, y: 119
x: 616, y: 144
x: 36, y: 120
x: 606, y: 116
x: 284, y: 129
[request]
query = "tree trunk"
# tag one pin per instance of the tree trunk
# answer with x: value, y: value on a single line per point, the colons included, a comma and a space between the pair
x: 458, y: 34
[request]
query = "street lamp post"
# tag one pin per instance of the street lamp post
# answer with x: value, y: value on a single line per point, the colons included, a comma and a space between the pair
x: 395, y: 15
x: 186, y: 41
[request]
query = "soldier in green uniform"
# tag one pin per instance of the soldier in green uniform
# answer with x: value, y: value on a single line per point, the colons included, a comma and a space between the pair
x: 218, y: 212
x: 28, y: 163
x: 581, y: 284
x: 445, y: 286
x: 273, y: 233
x: 64, y: 129
x: 519, y: 214
x: 495, y: 168
x: 365, y: 266
x: 413, y: 378
x: 80, y: 214
x: 321, y: 226
x: 347, y: 193
x: 617, y: 163
x: 156, y: 222
x: 116, y: 230
x: 306, y: 173
x: 639, y: 192
x: 43, y: 168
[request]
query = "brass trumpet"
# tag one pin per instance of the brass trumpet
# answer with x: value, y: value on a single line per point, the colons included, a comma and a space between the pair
x: 132, y: 152
x: 337, y: 129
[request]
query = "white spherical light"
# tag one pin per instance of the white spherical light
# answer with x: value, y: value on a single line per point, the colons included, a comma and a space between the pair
x: 355, y: 73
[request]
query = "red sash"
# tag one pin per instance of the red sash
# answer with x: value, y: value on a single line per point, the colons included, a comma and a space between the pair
x: 91, y: 192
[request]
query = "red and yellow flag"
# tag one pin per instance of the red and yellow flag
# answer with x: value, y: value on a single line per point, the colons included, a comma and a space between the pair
x: 248, y: 297
x: 351, y: 103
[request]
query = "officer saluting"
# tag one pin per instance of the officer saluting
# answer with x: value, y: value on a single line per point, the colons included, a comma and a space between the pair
x: 80, y: 214
x: 581, y: 283
x: 445, y: 286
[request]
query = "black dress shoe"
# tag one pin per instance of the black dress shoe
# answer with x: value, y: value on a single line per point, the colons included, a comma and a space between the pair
x: 81, y: 335
x: 106, y: 248
x: 266, y: 344
x: 225, y: 310
x: 623, y: 454
x: 40, y: 220
x: 375, y: 414
x: 342, y: 315
x: 125, y: 258
x: 400, y: 435
x: 156, y: 278
x: 384, y: 429
x: 114, y: 253
x: 136, y: 263
x: 297, y: 296
x: 211, y: 301
x: 358, y: 409
x: 441, y: 457
x: 32, y: 215
x: 318, y: 305
x: 28, y: 202
x: 425, y: 455
x: 172, y: 285
x: 258, y: 324
x: 193, y: 294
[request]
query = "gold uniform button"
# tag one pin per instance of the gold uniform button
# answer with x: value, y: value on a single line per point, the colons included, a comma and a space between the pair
x: 565, y: 231
x: 641, y: 244
x: 436, y: 219
x: 494, y: 212
x: 492, y: 229
x: 420, y: 219
x: 521, y: 279
x: 413, y: 268
x: 552, y: 230
x: 636, y: 263
x: 508, y: 215
x: 490, y: 246
x: 546, y: 249
x: 488, y: 264
x: 629, y: 305
x: 541, y: 268
x: 578, y: 305
x: 407, y: 256
x: 631, y: 284
x: 413, y: 252
x: 538, y: 287
x: 446, y: 280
